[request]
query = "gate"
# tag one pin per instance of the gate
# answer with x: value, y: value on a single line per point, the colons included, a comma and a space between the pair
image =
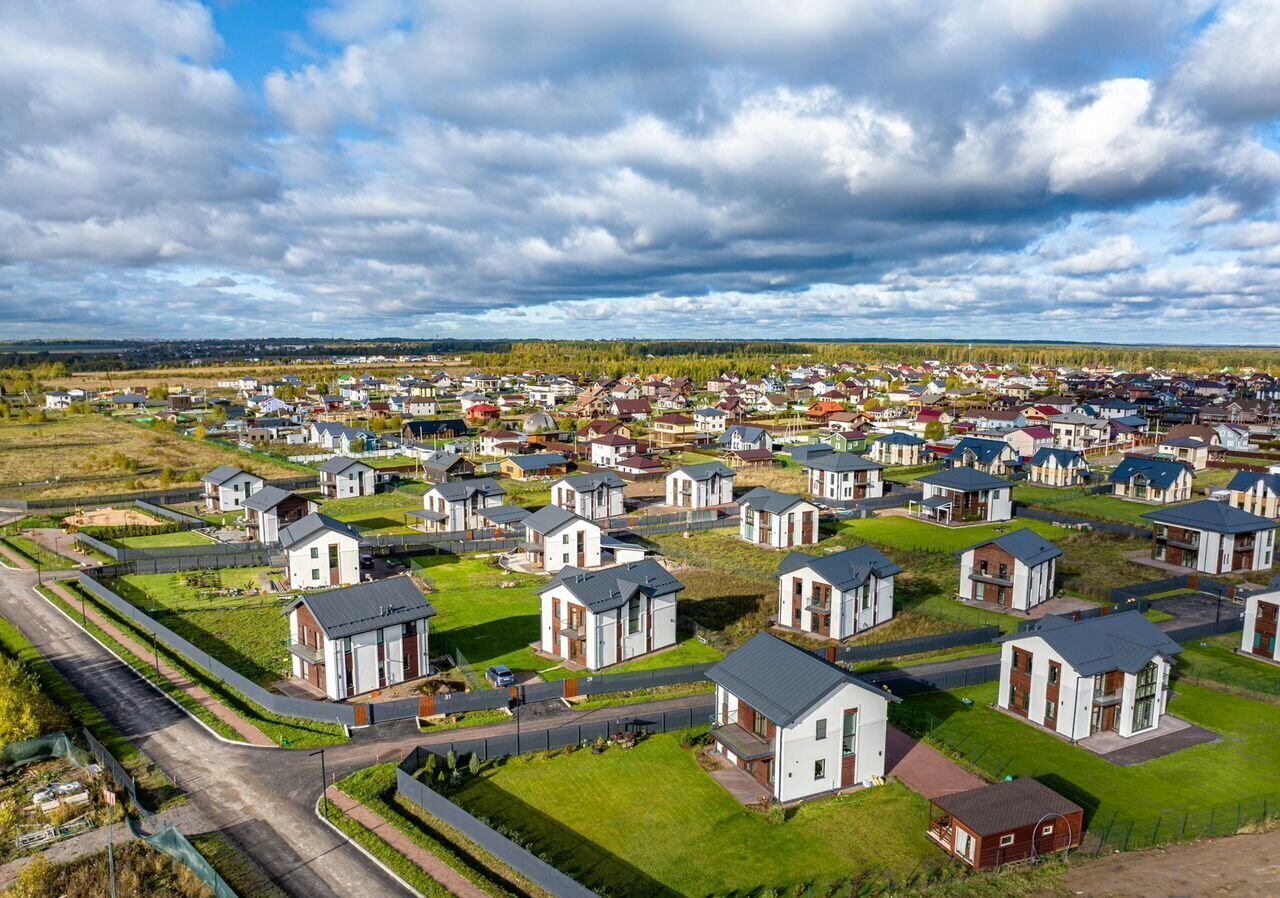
x: 362, y: 715
x: 427, y: 706
x: 571, y: 688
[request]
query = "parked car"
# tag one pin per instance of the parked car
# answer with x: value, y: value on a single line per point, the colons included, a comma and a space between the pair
x: 500, y: 676
x: 366, y: 561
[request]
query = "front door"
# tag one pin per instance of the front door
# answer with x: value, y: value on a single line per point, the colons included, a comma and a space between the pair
x: 849, y: 749
x: 335, y: 572
x: 582, y: 549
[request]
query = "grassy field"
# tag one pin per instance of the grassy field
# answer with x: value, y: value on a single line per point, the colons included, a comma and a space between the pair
x: 1216, y: 661
x: 38, y: 554
x: 164, y: 540
x: 898, y: 532
x: 381, y: 512
x: 492, y: 625
x: 659, y: 825
x: 92, y: 455
x: 1084, y: 504
x: 246, y: 632
x: 1243, y: 766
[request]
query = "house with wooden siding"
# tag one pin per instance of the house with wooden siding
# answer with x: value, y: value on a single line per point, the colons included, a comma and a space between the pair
x: 595, y: 619
x: 1013, y: 572
x: 963, y: 496
x: 1261, y: 617
x: 350, y: 641
x: 524, y: 467
x: 708, y: 485
x: 457, y: 505
x: 1212, y: 537
x: 672, y: 430
x: 592, y: 496
x: 777, y: 520
x: 836, y: 596
x: 1058, y: 468
x: 555, y: 538
x: 1004, y: 823
x: 320, y: 552
x: 843, y: 477
x: 1256, y: 493
x: 270, y: 509
x: 796, y: 724
x: 1155, y: 480
x: 1106, y: 674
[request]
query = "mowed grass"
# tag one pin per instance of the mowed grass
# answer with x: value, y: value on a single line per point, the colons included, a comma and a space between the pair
x: 164, y: 540
x: 1217, y: 661
x: 72, y: 456
x: 899, y: 532
x: 246, y: 632
x: 492, y: 625
x: 1242, y: 767
x: 381, y: 513
x: 658, y: 824
x: 1084, y: 504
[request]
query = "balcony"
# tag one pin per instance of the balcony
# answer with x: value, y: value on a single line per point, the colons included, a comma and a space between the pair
x: 573, y: 632
x: 1183, y: 542
x: 987, y: 577
x: 306, y: 653
x: 1107, y: 696
x: 743, y: 743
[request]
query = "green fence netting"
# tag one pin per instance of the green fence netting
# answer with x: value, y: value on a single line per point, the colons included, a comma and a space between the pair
x: 174, y: 844
x: 55, y: 745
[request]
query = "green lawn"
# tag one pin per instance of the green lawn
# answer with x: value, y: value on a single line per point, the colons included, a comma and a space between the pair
x: 1243, y: 767
x: 1217, y: 661
x: 38, y: 554
x: 1084, y: 504
x: 164, y: 540
x: 658, y: 825
x: 492, y: 625
x: 908, y: 474
x: 898, y: 532
x: 379, y: 513
x: 246, y: 632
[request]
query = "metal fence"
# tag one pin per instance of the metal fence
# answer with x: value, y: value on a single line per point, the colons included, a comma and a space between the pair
x: 1196, y: 582
x: 214, y: 555
x: 902, y: 683
x: 898, y: 648
x: 170, y: 496
x: 1232, y: 624
x: 118, y: 773
x: 185, y: 521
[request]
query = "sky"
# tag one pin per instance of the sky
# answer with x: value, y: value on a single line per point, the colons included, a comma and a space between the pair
x: 1063, y: 169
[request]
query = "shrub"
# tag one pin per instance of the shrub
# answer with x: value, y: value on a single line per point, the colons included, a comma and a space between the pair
x: 776, y: 815
x: 451, y: 760
x: 474, y: 764
x: 694, y: 738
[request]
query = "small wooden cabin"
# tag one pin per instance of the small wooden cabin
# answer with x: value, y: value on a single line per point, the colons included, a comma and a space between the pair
x: 1004, y: 823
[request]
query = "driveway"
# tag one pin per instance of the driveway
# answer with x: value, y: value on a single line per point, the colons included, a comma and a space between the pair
x: 1190, y: 610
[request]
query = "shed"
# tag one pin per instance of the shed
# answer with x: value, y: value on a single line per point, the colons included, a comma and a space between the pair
x: 1004, y: 823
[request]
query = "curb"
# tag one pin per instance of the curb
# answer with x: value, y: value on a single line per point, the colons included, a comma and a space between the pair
x: 360, y: 848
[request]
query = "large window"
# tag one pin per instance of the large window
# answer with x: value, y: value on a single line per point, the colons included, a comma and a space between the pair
x: 849, y: 737
x: 820, y: 769
x: 1144, y: 700
x: 633, y: 615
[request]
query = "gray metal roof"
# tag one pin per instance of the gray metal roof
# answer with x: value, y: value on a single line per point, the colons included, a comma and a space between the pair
x: 1003, y: 807
x: 340, y: 463
x: 1025, y: 545
x: 504, y: 514
x: 901, y: 438
x: 367, y: 606
x: 461, y: 490
x: 842, y: 461
x: 985, y: 451
x: 550, y: 518
x: 780, y: 680
x: 843, y: 570
x: 266, y: 498
x: 305, y: 529
x: 537, y: 462
x: 613, y: 587
x: 705, y: 471
x: 965, y: 479
x: 1125, y: 641
x: 222, y: 474
x: 1211, y: 515
x: 769, y: 500
x: 585, y: 483
x: 1161, y: 473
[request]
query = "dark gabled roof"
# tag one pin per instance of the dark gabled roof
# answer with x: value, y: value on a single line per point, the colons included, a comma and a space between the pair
x: 309, y: 526
x: 443, y: 461
x: 340, y: 463
x: 802, y: 454
x: 537, y: 462
x: 585, y: 483
x: 367, y: 606
x: 1185, y: 443
x: 1211, y: 515
x: 901, y: 438
x: 427, y: 428
x: 1025, y: 545
x: 745, y: 431
x: 1004, y: 807
x: 1065, y: 457
x: 843, y: 570
x: 505, y: 514
x: 266, y: 498
x: 965, y: 480
x: 550, y: 518
x: 613, y: 587
x: 1125, y: 641
x: 705, y: 471
x: 770, y: 500
x: 842, y: 461
x: 222, y: 474
x: 1161, y: 473
x: 461, y: 490
x: 1245, y: 480
x: 780, y: 680
x: 985, y: 451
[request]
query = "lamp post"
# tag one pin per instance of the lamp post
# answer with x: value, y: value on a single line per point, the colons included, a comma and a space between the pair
x: 324, y: 785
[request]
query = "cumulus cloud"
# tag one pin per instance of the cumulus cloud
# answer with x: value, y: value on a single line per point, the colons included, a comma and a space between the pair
x: 449, y: 165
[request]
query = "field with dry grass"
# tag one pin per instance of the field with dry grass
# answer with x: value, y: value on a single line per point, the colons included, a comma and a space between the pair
x: 92, y: 455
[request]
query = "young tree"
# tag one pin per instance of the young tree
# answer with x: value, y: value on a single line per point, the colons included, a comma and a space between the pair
x: 934, y: 431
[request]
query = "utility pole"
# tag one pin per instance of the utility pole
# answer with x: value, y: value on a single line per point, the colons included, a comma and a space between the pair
x: 324, y: 785
x: 110, y: 798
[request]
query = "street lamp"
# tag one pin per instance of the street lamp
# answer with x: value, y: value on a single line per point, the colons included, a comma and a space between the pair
x: 324, y: 799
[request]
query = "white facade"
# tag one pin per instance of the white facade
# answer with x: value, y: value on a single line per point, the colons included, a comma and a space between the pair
x: 607, y: 453
x: 851, y: 611
x: 1215, y: 551
x: 684, y: 491
x: 325, y: 560
x: 796, y: 526
x: 231, y: 493
x: 577, y: 543
x: 364, y: 657
x: 845, y: 486
x: 895, y: 454
x: 1029, y: 585
x: 1261, y: 611
x: 604, y: 501
x: 1053, y: 472
x: 357, y: 480
x: 459, y: 514
x: 642, y: 617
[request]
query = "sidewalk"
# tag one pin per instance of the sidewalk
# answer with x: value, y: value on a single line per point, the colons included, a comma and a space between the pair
x: 415, y: 853
x: 10, y: 559
x: 248, y: 732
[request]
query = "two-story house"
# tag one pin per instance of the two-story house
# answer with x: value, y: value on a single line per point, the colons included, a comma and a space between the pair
x: 556, y: 538
x: 899, y: 449
x: 1212, y: 537
x: 320, y: 552
x: 836, y: 596
x: 994, y: 457
x: 777, y: 520
x: 739, y: 437
x: 270, y: 509
x: 457, y: 505
x: 796, y: 724
x: 672, y: 429
x: 226, y: 488
x: 707, y: 485
x: 844, y: 477
x: 1013, y: 572
x: 346, y: 478
x: 1261, y: 617
x: 1191, y: 452
x: 1155, y: 480
x: 1256, y: 493
x: 963, y: 496
x: 598, y: 618
x: 592, y: 496
x: 1105, y: 674
x: 608, y: 450
x: 1058, y: 468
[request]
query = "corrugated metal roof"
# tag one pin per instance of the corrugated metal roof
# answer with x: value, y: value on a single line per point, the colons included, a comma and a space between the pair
x: 367, y: 606
x: 705, y: 471
x: 769, y: 500
x: 1211, y: 515
x: 550, y: 518
x: 461, y: 490
x: 221, y: 474
x: 965, y: 479
x: 585, y: 483
x: 305, y: 529
x: 1004, y: 807
x: 843, y: 570
x: 842, y: 461
x: 266, y: 498
x: 613, y: 587
x: 1126, y: 641
x: 340, y: 463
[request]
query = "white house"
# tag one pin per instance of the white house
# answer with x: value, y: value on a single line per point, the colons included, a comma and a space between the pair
x: 1261, y: 612
x: 898, y: 448
x: 1257, y: 493
x: 603, y: 617
x: 349, y: 641
x: 346, y: 478
x: 58, y: 402
x: 778, y: 520
x: 1188, y: 450
x: 1080, y: 678
x: 1212, y: 537
x: 710, y: 420
x: 700, y: 486
x: 226, y: 488
x: 797, y: 725
x: 270, y: 509
x: 555, y: 538
x: 744, y: 436
x: 608, y: 450
x: 836, y: 596
x: 501, y: 443
x: 1058, y: 467
x: 457, y: 505
x: 962, y: 496
x: 1155, y: 480
x: 593, y: 496
x: 1014, y: 571
x: 320, y: 552
x: 844, y: 477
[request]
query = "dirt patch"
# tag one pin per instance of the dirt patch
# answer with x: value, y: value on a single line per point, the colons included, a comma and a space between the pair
x: 110, y: 517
